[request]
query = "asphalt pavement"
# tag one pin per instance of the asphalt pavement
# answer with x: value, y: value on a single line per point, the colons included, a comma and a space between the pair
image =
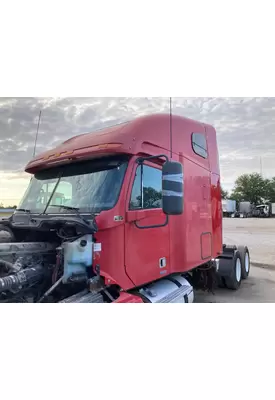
x: 258, y: 234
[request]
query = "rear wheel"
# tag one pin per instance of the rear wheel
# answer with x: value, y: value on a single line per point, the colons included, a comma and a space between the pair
x: 245, y: 260
x: 234, y: 280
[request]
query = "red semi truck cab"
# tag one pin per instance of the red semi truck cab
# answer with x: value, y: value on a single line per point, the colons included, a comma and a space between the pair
x: 117, y: 175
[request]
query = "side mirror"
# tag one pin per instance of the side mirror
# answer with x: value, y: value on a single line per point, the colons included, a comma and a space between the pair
x: 172, y: 188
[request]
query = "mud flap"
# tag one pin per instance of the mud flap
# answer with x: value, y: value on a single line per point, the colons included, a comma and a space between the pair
x: 230, y: 268
x: 225, y: 261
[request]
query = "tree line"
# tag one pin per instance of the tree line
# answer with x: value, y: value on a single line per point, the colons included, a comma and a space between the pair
x: 253, y: 188
x: 6, y: 207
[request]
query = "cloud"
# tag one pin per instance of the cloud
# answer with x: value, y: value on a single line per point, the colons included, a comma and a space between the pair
x: 245, y: 127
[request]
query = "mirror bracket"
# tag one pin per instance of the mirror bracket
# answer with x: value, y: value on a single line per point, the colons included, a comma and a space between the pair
x: 141, y: 160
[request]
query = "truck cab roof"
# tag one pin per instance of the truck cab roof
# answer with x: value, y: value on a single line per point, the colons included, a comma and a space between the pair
x: 144, y: 135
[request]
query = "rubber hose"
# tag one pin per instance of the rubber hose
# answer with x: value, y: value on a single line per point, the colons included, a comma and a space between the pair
x: 26, y: 277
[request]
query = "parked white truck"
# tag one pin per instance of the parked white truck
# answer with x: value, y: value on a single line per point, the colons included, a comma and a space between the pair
x: 228, y: 207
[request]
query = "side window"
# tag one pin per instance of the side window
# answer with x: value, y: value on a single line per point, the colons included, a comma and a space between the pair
x: 199, y: 144
x: 135, y: 202
x: 152, y: 189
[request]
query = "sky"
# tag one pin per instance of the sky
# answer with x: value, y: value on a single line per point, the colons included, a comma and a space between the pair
x: 245, y: 128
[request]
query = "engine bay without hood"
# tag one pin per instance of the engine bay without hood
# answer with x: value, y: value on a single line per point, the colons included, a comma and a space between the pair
x: 59, y: 270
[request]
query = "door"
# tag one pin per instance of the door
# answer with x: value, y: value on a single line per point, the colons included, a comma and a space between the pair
x: 146, y: 228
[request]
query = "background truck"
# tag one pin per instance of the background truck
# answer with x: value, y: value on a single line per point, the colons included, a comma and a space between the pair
x: 245, y: 209
x: 228, y: 207
x: 127, y: 214
x: 262, y: 211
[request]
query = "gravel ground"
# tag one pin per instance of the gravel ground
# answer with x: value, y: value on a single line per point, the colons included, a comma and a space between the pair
x: 259, y: 236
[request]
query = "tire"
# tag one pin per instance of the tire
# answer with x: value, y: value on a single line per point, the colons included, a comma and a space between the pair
x: 7, y: 235
x: 245, y: 260
x: 233, y: 282
x: 221, y: 282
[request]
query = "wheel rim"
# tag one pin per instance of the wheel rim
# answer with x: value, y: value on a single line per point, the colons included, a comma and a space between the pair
x: 246, y: 262
x: 238, y: 270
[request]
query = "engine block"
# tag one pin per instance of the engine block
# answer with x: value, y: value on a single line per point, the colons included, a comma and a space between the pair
x: 31, y: 252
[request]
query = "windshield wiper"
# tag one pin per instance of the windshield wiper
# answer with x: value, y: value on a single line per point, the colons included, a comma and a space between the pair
x: 51, y: 196
x: 23, y: 210
x: 65, y: 207
x: 75, y: 209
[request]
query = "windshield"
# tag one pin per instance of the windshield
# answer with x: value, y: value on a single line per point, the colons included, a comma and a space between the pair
x: 90, y: 187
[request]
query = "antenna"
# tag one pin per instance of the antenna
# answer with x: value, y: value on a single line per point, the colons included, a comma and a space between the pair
x: 171, y: 138
x: 261, y: 166
x: 38, y: 124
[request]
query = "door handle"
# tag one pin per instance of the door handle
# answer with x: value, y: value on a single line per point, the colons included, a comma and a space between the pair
x: 132, y: 216
x: 138, y: 215
x: 135, y: 216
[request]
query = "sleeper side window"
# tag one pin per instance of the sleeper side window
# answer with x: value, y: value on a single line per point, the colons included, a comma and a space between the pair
x: 147, y: 189
x: 199, y: 144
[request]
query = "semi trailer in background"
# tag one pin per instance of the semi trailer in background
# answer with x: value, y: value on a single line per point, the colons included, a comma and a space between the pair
x: 127, y: 214
x: 229, y: 207
x: 245, y: 209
